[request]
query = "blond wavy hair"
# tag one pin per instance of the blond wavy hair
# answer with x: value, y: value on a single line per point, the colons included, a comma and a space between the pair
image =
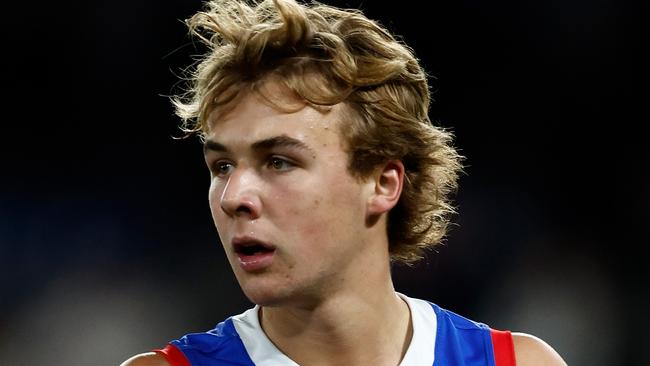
x: 355, y: 61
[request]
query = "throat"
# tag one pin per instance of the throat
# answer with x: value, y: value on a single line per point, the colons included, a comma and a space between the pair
x: 366, y: 335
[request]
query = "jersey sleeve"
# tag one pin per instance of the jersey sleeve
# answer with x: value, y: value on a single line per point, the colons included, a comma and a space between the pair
x: 503, y: 346
x: 173, y: 355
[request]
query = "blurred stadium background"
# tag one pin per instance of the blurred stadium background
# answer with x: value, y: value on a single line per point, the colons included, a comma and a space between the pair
x: 107, y: 247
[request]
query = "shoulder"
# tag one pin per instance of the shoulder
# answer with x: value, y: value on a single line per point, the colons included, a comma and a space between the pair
x: 532, y: 351
x: 146, y: 359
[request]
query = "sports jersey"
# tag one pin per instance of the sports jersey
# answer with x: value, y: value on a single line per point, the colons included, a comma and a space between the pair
x: 440, y: 338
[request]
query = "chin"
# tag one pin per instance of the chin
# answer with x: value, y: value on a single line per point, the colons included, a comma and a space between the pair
x: 263, y: 292
x: 281, y: 295
x: 263, y: 297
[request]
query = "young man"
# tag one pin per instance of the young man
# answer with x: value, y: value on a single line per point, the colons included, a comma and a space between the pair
x: 325, y: 168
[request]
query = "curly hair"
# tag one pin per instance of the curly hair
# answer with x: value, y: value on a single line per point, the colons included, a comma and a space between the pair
x: 326, y: 56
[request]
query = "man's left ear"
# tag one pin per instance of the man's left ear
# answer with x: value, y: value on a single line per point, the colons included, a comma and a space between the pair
x: 388, y: 182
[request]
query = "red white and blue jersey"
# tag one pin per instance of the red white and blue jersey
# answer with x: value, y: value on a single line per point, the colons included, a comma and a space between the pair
x: 440, y: 338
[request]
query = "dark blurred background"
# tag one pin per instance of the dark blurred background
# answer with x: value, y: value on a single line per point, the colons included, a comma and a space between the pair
x: 107, y: 247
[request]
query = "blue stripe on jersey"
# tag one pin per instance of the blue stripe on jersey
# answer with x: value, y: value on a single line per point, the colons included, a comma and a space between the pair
x: 220, y: 346
x: 461, y: 342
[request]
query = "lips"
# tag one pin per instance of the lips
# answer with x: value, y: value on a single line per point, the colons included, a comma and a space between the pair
x: 254, y: 255
x: 246, y: 245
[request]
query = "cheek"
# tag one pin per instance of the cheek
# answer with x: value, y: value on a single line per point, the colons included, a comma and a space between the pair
x: 215, y: 191
x: 312, y: 218
x: 330, y: 216
x: 218, y: 216
x: 214, y: 200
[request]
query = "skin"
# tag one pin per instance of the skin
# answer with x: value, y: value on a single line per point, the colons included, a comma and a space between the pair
x: 329, y: 284
x: 327, y: 297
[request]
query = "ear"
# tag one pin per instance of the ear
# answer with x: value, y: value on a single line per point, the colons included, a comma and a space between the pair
x: 388, y: 182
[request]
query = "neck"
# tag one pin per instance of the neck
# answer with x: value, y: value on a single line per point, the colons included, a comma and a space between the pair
x: 366, y: 324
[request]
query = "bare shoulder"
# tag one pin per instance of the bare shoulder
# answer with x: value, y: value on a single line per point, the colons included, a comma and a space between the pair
x: 146, y: 359
x: 532, y: 351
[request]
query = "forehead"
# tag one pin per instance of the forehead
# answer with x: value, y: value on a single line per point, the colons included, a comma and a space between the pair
x: 274, y: 112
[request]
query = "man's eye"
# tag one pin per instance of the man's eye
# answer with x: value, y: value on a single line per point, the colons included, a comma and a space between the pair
x: 279, y: 164
x: 223, y: 168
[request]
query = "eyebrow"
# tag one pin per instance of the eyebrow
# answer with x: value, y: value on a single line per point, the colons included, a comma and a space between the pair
x: 262, y: 145
x: 210, y: 145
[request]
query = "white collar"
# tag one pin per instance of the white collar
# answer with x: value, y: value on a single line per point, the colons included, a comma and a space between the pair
x: 263, y: 352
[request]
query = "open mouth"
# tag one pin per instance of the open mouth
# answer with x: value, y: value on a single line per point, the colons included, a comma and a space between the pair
x: 254, y: 256
x: 252, y: 249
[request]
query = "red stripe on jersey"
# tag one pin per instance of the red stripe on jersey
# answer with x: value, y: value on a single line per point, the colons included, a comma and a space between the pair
x: 504, y: 348
x: 173, y: 355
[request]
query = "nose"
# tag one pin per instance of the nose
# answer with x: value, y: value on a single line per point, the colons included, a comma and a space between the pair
x: 240, y: 197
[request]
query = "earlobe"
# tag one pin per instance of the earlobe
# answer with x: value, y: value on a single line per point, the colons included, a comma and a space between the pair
x: 388, y: 182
